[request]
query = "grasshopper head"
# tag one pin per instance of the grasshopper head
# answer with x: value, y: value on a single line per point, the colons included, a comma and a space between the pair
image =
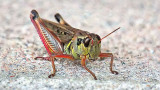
x: 86, y: 45
x: 83, y: 41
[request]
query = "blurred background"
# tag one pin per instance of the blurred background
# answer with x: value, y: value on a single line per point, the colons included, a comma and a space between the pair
x: 136, y: 46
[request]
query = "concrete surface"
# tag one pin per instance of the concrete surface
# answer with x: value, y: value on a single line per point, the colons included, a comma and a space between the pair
x: 136, y: 46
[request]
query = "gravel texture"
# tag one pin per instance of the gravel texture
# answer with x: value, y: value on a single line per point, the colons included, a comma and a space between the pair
x: 136, y: 46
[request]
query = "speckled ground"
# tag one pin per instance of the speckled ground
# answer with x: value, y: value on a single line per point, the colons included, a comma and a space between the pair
x: 136, y: 46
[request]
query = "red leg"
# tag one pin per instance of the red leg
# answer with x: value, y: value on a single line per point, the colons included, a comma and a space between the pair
x: 83, y: 63
x: 43, y: 58
x: 111, y: 63
x: 51, y: 58
x: 53, y: 66
x: 60, y: 56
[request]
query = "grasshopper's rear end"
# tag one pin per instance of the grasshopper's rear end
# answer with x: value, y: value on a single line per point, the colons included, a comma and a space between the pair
x: 63, y: 41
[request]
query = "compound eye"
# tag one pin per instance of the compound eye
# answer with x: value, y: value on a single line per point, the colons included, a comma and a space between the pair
x: 79, y: 41
x: 86, y: 41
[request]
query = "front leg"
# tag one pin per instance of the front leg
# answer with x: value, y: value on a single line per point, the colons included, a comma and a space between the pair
x: 83, y: 63
x: 111, y: 63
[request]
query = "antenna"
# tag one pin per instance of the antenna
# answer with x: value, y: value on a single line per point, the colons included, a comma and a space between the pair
x: 108, y: 34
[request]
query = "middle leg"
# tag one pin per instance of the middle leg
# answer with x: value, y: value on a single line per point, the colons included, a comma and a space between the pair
x: 51, y: 58
x: 53, y: 66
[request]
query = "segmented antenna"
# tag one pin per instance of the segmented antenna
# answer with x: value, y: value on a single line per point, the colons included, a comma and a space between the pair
x: 108, y: 34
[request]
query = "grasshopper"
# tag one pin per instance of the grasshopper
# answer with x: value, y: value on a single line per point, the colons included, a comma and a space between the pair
x: 63, y: 41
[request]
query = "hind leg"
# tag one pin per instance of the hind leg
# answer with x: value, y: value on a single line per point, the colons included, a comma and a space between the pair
x: 60, y: 19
